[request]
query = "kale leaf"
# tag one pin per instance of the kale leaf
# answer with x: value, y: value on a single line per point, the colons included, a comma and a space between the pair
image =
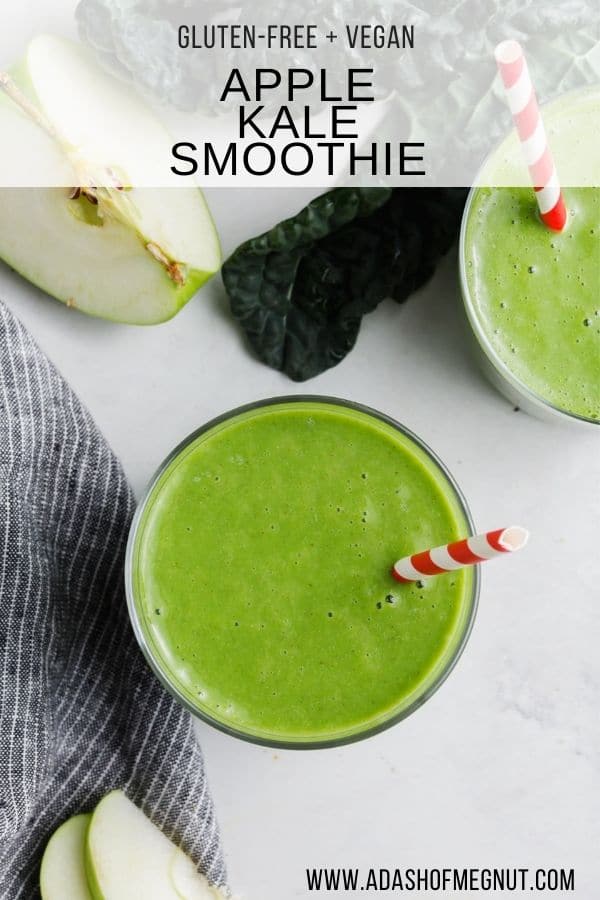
x: 300, y: 290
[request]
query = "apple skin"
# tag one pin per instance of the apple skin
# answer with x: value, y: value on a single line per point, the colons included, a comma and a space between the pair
x: 90, y: 874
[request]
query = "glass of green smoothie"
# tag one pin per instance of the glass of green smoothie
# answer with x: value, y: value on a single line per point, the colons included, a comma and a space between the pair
x: 532, y: 295
x: 258, y: 573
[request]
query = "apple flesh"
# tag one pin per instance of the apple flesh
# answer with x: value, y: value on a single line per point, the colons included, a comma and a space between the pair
x: 62, y: 876
x: 129, y: 858
x: 100, y: 269
x: 130, y: 254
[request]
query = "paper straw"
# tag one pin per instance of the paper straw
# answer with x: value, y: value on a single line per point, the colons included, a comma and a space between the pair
x: 523, y: 105
x: 459, y: 554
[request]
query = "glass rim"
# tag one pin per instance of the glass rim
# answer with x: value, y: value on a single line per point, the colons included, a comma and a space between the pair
x: 483, y: 341
x: 295, y: 743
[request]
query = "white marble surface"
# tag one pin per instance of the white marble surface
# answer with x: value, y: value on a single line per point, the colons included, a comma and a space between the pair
x: 501, y: 767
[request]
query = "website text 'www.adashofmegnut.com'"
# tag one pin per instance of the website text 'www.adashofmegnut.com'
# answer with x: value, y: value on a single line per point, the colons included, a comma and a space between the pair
x: 445, y: 880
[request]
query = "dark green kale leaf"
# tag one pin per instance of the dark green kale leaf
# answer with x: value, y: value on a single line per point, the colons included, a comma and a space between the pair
x: 300, y: 290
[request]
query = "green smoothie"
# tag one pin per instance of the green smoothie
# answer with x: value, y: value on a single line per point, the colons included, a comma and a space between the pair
x: 260, y: 573
x: 533, y: 295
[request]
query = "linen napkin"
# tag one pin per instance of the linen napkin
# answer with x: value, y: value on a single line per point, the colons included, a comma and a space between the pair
x: 80, y: 712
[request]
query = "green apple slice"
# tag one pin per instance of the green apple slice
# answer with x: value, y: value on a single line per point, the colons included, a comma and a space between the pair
x: 62, y: 876
x: 131, y: 254
x: 129, y: 858
x: 102, y: 270
x: 189, y: 884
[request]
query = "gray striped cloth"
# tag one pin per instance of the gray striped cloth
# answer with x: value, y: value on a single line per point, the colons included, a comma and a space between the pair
x: 80, y: 711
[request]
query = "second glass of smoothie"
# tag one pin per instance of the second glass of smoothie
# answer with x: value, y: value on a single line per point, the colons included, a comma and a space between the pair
x: 258, y: 573
x: 532, y: 295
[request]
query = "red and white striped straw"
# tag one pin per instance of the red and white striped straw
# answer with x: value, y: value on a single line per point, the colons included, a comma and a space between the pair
x: 468, y: 552
x: 523, y: 105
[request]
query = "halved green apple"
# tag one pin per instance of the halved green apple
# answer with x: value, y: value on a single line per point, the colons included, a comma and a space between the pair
x: 129, y: 858
x: 103, y: 241
x: 62, y: 876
